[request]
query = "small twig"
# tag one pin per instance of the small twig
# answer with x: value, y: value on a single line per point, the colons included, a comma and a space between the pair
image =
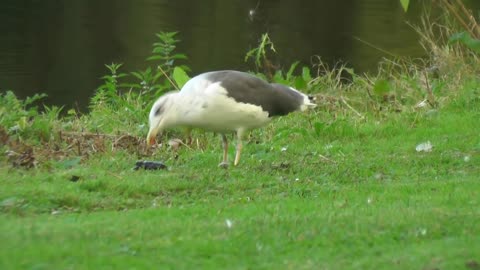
x: 351, y: 108
x: 124, y: 136
x: 368, y: 90
x: 88, y: 134
x: 471, y: 18
x: 431, y: 97
x: 79, y: 148
x: 375, y: 47
x: 414, y: 122
x: 168, y: 78
x: 327, y: 159
x: 310, y: 122
x: 184, y: 144
x: 199, y: 146
x: 459, y: 18
x: 115, y: 175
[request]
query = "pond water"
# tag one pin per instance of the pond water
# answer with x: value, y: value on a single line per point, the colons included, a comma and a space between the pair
x: 59, y: 47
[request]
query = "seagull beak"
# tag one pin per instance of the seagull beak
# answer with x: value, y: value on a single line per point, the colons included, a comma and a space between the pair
x: 152, y: 134
x: 150, y: 139
x: 157, y: 125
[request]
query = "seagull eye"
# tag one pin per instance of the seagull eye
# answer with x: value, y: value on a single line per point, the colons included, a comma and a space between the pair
x: 159, y: 111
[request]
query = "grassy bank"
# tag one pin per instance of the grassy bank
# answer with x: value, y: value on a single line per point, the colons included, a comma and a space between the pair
x: 345, y: 186
x: 355, y: 194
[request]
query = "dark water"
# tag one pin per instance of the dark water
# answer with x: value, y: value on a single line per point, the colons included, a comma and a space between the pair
x: 59, y: 47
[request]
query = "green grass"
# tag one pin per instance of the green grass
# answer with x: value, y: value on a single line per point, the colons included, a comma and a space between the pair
x: 350, y: 194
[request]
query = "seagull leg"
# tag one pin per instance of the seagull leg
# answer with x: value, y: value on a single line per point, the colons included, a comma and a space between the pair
x: 188, y: 133
x: 224, y: 163
x: 237, y: 155
x: 239, y: 147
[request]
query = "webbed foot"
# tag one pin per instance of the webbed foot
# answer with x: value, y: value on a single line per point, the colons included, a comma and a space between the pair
x: 223, y: 165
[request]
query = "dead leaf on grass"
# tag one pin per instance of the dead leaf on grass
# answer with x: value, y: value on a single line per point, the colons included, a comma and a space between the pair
x: 424, y: 147
x: 474, y: 265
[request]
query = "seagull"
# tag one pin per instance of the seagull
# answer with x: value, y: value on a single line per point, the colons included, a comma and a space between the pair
x: 225, y: 101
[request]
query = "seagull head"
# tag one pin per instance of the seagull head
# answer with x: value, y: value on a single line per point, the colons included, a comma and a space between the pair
x: 162, y: 116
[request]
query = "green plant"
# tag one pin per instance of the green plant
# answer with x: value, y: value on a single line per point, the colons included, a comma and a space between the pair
x: 108, y: 94
x: 466, y: 39
x: 405, y: 4
x: 47, y: 124
x: 260, y: 55
x: 463, y: 16
x: 17, y: 115
x: 296, y: 81
x: 456, y: 25
x: 148, y: 80
x: 116, y: 103
x: 163, y: 51
x: 151, y: 82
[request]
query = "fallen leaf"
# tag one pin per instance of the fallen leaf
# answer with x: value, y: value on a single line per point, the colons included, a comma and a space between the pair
x: 421, y: 104
x: 424, y: 147
x: 175, y: 143
x: 474, y: 265
x: 229, y: 223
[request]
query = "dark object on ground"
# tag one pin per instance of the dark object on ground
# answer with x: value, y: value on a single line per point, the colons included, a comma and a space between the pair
x: 74, y: 178
x: 474, y: 265
x: 149, y: 165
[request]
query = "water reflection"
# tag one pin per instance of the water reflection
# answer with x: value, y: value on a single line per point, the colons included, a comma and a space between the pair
x: 60, y: 47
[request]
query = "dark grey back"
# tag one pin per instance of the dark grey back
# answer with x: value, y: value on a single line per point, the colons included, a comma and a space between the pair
x: 276, y: 99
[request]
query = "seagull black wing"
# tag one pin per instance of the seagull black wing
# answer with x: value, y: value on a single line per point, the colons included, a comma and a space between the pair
x: 276, y: 99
